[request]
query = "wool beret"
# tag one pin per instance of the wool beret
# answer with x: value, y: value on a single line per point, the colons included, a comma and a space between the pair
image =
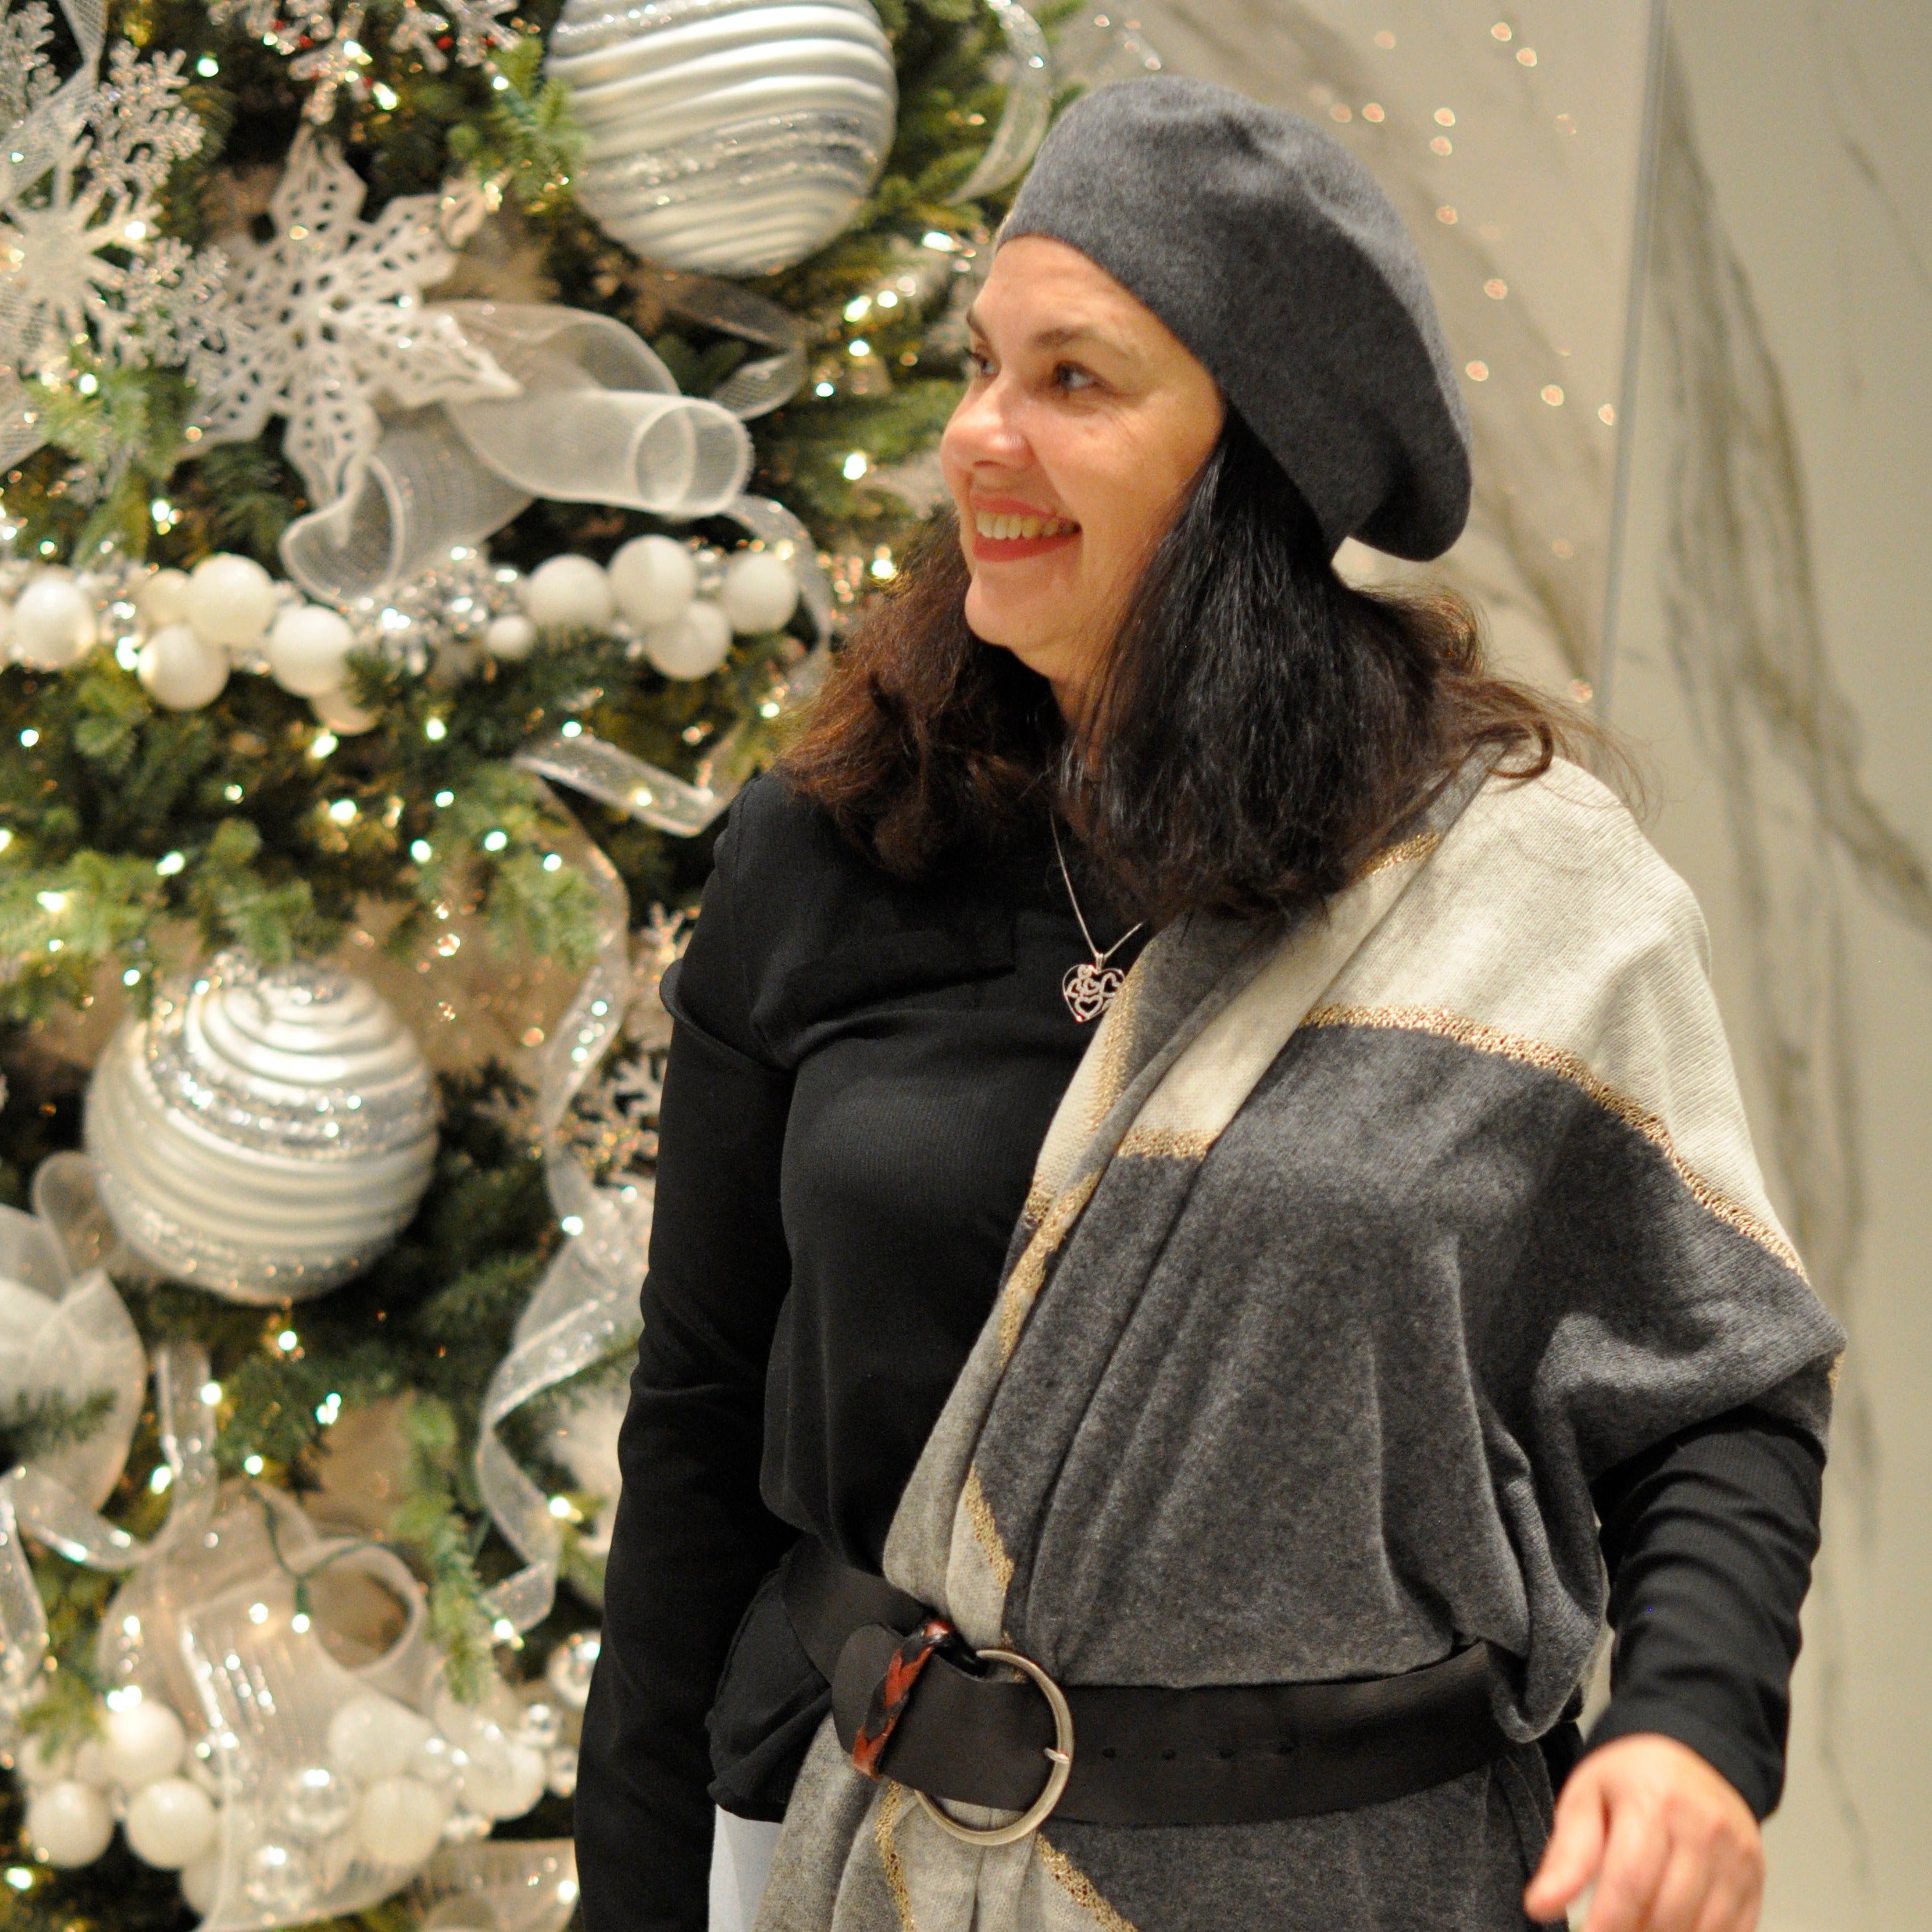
x: 1268, y: 249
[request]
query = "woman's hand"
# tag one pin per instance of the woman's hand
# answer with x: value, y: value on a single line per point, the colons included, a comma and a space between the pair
x: 1671, y: 1846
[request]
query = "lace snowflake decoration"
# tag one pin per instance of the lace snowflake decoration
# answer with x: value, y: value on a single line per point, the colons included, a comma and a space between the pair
x: 327, y: 319
x: 328, y: 48
x: 81, y: 264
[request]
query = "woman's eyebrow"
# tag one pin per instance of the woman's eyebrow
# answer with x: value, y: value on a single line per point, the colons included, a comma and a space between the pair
x: 1060, y: 335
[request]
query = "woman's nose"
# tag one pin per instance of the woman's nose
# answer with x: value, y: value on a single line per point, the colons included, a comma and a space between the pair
x: 982, y: 429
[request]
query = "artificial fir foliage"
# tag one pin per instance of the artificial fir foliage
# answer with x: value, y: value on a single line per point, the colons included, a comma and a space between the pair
x: 136, y: 840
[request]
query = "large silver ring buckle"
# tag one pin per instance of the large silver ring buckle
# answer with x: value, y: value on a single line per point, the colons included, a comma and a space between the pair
x: 1060, y: 1755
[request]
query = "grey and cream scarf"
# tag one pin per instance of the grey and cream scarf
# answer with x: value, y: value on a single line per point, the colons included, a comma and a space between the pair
x: 1354, y: 1252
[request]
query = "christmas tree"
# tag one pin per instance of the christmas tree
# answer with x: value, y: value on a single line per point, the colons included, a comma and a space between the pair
x: 439, y: 445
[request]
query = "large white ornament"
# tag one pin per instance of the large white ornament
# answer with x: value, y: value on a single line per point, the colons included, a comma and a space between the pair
x: 230, y: 601
x: 569, y: 593
x: 69, y: 1823
x: 655, y: 578
x: 169, y: 1823
x: 264, y: 1134
x: 731, y: 136
x: 53, y: 622
x: 759, y: 593
x: 181, y: 671
x: 308, y: 649
x: 694, y: 646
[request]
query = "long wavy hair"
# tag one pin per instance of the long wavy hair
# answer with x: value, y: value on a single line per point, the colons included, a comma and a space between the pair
x: 1260, y: 729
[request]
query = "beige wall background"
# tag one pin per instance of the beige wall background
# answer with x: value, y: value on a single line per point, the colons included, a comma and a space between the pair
x: 1772, y: 657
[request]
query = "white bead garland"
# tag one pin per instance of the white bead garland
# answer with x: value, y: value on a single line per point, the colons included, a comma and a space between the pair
x: 569, y: 593
x: 342, y: 714
x: 169, y: 1823
x: 53, y: 622
x: 694, y: 646
x: 308, y: 649
x: 510, y: 636
x: 230, y: 600
x: 655, y: 578
x: 163, y: 599
x: 180, y: 672
x: 142, y: 1742
x: 69, y: 1823
x: 374, y: 1737
x: 760, y: 592
x: 399, y: 1821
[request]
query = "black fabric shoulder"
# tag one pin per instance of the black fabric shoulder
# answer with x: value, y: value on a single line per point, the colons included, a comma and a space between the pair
x: 798, y: 927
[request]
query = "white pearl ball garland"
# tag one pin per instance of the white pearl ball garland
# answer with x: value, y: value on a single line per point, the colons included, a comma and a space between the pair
x: 143, y: 1742
x: 342, y: 714
x: 53, y: 622
x: 169, y: 1823
x: 694, y: 645
x: 69, y: 1823
x: 180, y: 672
x: 399, y: 1821
x: 654, y: 579
x: 759, y: 593
x: 510, y: 636
x: 308, y: 649
x: 374, y: 1737
x: 569, y: 593
x: 230, y: 600
x: 163, y: 599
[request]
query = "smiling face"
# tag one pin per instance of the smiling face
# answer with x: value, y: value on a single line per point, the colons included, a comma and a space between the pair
x: 1085, y: 420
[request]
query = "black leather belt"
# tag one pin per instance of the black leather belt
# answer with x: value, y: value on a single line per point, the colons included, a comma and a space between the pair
x: 1125, y: 1754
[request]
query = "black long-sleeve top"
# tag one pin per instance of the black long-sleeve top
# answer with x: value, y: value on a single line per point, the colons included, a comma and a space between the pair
x: 861, y: 1074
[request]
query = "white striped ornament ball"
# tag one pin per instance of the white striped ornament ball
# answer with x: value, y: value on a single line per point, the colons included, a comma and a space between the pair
x: 730, y: 137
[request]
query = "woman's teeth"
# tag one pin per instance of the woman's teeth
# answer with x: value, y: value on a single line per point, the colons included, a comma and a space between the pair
x: 998, y: 527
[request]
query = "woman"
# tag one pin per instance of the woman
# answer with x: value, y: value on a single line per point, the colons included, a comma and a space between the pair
x: 1266, y: 1363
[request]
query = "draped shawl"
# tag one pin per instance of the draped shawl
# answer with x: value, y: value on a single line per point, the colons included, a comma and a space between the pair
x: 1356, y: 1250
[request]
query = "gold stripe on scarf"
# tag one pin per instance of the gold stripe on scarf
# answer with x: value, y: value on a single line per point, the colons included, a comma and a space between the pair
x: 1566, y: 1066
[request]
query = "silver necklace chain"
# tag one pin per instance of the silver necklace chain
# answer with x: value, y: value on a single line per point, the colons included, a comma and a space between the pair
x: 1088, y: 988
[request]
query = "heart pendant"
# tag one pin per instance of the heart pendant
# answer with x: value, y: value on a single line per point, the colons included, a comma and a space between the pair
x: 1089, y: 989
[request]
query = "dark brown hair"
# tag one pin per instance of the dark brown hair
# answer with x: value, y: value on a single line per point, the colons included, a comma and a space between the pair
x: 1261, y: 727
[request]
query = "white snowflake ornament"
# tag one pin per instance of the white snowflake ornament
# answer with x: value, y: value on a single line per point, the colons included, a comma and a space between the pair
x: 328, y: 317
x: 82, y: 264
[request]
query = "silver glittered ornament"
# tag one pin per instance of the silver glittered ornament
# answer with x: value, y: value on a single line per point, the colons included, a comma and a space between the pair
x: 264, y: 1134
x: 729, y: 136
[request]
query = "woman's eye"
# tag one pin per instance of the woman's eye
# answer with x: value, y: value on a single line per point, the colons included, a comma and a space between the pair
x: 981, y: 363
x: 1070, y: 376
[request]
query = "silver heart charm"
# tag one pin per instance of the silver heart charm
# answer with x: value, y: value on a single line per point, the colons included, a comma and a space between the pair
x: 1089, y: 989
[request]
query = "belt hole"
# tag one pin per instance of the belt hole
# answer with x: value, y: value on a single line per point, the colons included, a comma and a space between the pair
x: 1284, y: 1750
x: 1168, y: 1755
x: 1107, y: 1752
x: 1227, y: 1750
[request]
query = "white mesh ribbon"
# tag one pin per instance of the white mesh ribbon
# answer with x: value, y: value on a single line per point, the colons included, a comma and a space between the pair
x: 585, y: 1305
x: 1023, y: 122
x: 597, y: 418
x: 497, y: 1885
x: 66, y: 1333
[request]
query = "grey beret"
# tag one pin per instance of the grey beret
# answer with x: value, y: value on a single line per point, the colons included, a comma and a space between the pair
x: 1269, y: 251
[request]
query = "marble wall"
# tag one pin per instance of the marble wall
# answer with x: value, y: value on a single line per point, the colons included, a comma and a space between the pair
x: 1772, y: 657
x: 1760, y: 534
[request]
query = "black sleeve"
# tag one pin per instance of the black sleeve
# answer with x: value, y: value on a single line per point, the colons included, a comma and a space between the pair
x: 691, y: 1537
x: 1708, y: 1538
